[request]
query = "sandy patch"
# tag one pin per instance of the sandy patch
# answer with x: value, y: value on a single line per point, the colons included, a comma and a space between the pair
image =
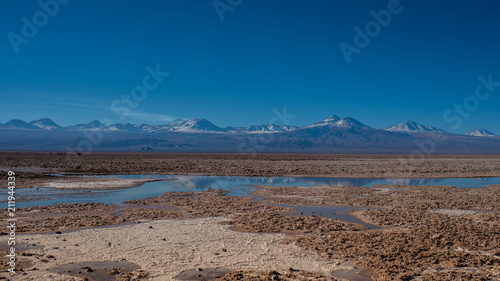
x: 166, y: 248
x: 98, y: 183
x: 456, y: 213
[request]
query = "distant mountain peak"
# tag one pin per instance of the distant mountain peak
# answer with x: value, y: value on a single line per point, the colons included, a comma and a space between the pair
x: 46, y: 124
x: 193, y: 125
x: 271, y: 128
x: 326, y: 122
x: 123, y: 127
x: 20, y: 124
x: 336, y: 122
x: 349, y: 122
x: 332, y: 118
x: 411, y: 127
x: 92, y: 126
x: 480, y: 133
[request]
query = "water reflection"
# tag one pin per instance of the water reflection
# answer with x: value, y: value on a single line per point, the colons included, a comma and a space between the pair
x: 236, y: 186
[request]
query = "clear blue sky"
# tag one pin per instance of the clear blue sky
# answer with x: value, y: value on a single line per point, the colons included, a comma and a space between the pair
x: 263, y: 55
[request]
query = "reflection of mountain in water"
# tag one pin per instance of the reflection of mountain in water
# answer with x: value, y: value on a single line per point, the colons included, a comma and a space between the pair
x: 413, y: 181
x: 237, y: 186
x: 202, y: 182
x: 194, y: 182
x: 198, y: 183
x: 337, y: 181
x: 481, y: 179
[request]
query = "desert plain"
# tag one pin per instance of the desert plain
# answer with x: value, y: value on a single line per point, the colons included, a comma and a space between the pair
x: 395, y: 231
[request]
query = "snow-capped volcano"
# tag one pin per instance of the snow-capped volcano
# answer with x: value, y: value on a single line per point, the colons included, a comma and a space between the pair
x: 192, y: 125
x: 327, y: 122
x: 336, y: 122
x: 411, y: 127
x: 481, y: 133
x: 46, y: 124
x: 348, y: 123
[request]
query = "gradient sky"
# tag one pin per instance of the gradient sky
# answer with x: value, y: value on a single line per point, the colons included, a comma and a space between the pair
x: 263, y: 55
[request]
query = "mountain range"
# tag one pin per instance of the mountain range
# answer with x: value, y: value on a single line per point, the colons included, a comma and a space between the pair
x: 331, y: 135
x: 194, y: 125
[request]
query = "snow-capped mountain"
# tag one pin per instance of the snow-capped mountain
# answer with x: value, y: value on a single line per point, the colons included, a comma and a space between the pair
x: 411, y: 127
x: 46, y: 124
x: 348, y: 123
x: 481, y: 133
x: 334, y: 122
x: 123, y: 127
x: 332, y: 135
x: 145, y: 127
x: 192, y: 125
x: 272, y: 128
x: 256, y: 129
x: 92, y: 126
x: 327, y: 122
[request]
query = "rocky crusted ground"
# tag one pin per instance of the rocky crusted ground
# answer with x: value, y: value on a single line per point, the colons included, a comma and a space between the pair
x: 417, y: 242
x: 206, y: 203
x: 66, y: 217
x: 273, y: 222
x: 411, y: 196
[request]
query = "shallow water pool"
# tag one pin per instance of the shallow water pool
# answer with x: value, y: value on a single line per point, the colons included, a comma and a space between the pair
x: 240, y: 186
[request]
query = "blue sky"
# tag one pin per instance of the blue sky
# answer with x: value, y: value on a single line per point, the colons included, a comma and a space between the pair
x: 263, y: 55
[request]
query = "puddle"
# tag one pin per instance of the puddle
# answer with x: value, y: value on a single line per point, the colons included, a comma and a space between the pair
x: 204, y: 274
x: 352, y: 274
x: 25, y: 247
x: 96, y: 271
x: 335, y: 212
